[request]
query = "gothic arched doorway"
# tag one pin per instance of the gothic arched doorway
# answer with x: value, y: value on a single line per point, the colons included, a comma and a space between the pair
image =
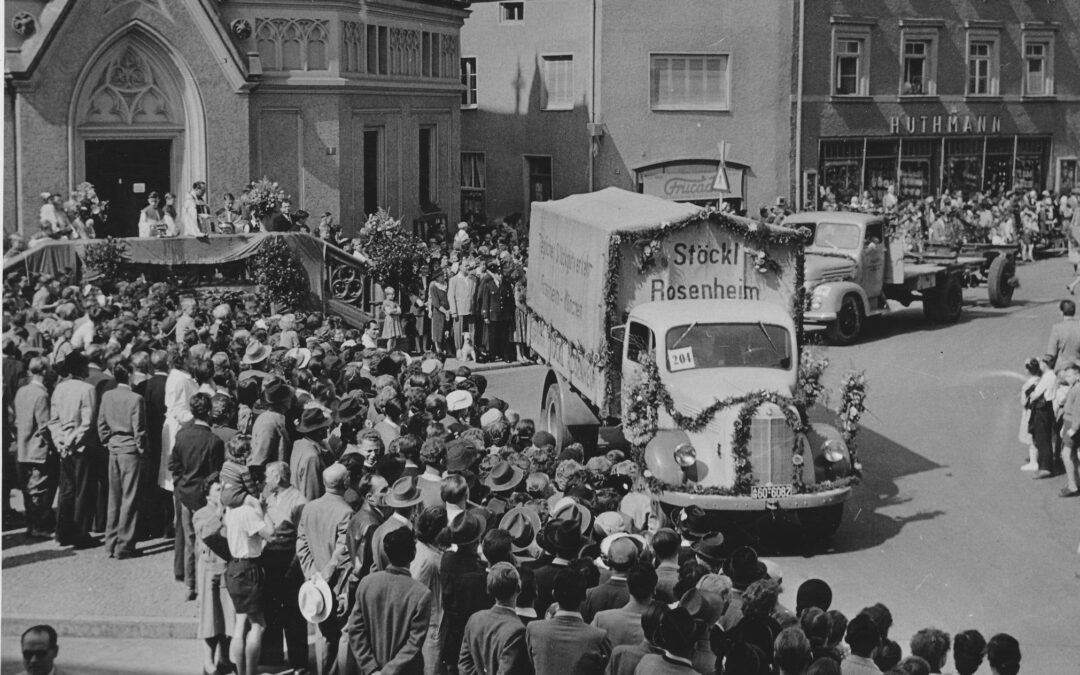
x: 137, y: 126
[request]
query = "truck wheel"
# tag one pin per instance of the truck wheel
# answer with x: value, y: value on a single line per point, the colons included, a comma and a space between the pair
x: 553, y: 417
x: 1001, y: 281
x: 945, y: 303
x: 849, y: 320
x: 823, y: 521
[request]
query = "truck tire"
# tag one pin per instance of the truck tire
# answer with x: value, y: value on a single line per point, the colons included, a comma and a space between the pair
x: 821, y: 522
x: 1000, y: 282
x: 552, y: 417
x: 849, y: 321
x: 945, y: 303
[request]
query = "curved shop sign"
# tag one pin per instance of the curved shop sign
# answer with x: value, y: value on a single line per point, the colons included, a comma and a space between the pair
x: 691, y: 186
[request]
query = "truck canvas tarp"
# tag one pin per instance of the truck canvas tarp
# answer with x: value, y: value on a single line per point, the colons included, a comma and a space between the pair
x: 701, y: 256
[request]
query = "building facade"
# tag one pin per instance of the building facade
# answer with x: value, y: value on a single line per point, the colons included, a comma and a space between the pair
x: 938, y: 96
x: 567, y: 96
x: 349, y: 105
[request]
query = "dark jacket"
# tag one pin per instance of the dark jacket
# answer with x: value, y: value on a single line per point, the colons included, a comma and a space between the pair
x: 196, y: 454
x: 389, y: 623
x: 494, y: 644
x: 279, y: 222
x: 565, y: 645
x: 611, y: 594
x: 457, y: 602
x: 153, y: 392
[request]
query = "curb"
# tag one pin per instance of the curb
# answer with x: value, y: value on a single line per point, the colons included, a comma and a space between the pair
x: 452, y: 364
x: 136, y: 627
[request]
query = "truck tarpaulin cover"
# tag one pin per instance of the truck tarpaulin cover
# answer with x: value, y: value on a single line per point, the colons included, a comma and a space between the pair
x: 568, y: 250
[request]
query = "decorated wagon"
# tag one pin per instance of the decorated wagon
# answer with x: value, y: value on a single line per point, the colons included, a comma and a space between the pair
x: 675, y: 331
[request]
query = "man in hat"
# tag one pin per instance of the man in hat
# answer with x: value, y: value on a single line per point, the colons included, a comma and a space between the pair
x: 561, y: 538
x: 270, y: 438
x: 494, y: 640
x: 402, y: 497
x: 70, y: 423
x: 465, y: 531
x: 565, y: 644
x: 322, y: 549
x: 709, y: 551
x: 309, y: 457
x: 675, y: 637
x: 389, y: 622
x: 743, y: 568
x: 522, y: 523
x: 621, y: 557
x: 623, y: 624
x: 503, y: 480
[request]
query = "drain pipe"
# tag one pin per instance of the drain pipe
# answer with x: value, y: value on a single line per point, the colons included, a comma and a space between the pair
x: 799, y: 196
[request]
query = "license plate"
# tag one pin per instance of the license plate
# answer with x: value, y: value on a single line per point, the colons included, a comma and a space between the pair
x: 771, y: 491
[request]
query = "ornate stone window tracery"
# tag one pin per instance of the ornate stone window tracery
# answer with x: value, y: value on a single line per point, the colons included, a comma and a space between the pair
x: 292, y: 44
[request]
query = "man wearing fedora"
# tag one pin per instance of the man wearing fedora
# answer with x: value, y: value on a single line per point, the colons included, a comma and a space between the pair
x: 309, y: 457
x: 523, y: 524
x: 675, y: 638
x: 390, y: 618
x: 743, y: 568
x: 322, y: 550
x: 494, y: 640
x: 565, y: 644
x: 562, y: 539
x: 402, y: 497
x: 465, y: 531
x: 709, y: 551
x: 270, y: 439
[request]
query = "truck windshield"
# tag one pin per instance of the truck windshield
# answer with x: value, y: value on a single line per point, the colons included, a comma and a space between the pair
x: 834, y: 235
x: 728, y: 345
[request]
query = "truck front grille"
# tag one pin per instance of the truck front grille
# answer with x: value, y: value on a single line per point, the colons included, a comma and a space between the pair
x: 771, y: 440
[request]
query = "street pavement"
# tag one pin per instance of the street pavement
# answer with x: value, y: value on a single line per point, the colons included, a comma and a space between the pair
x: 944, y: 529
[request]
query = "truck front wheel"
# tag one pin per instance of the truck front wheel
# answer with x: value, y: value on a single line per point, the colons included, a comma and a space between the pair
x: 945, y: 303
x: 553, y: 417
x: 849, y: 320
x: 821, y: 522
x: 1001, y: 281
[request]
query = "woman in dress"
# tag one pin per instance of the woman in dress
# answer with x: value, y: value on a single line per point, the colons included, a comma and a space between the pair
x: 417, y: 330
x: 393, y: 328
x: 1033, y: 371
x: 521, y: 320
x: 1041, y: 425
x: 169, y: 215
x: 150, y: 220
x: 439, y: 310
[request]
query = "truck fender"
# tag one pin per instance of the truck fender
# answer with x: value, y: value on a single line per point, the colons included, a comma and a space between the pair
x: 817, y: 435
x: 832, y: 294
x: 574, y: 413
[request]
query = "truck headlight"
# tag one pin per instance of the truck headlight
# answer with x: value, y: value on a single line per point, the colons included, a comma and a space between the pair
x: 685, y: 455
x: 834, y: 451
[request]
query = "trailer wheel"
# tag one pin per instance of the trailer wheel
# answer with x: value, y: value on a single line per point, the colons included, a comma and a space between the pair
x: 945, y: 303
x: 821, y: 522
x: 849, y: 320
x: 553, y: 417
x: 1001, y: 281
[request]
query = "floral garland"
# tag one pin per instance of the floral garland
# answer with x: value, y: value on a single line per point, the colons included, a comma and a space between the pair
x: 658, y: 486
x: 853, y: 389
x: 652, y: 255
x: 763, y: 263
x: 593, y: 357
x: 812, y: 366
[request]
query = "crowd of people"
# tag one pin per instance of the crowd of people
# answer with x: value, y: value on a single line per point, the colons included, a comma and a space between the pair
x: 309, y: 477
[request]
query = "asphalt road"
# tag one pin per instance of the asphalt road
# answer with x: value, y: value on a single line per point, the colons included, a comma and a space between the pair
x: 945, y: 529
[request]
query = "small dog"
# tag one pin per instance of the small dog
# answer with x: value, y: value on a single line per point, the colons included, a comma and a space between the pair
x: 467, y: 351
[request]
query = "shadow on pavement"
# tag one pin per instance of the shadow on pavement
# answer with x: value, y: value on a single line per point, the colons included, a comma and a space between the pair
x: 14, y: 561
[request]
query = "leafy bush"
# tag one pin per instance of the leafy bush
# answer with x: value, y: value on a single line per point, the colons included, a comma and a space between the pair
x: 392, y: 256
x: 279, y: 273
x: 106, y: 261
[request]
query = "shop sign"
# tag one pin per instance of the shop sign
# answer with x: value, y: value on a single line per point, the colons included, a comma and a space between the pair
x: 944, y: 124
x: 682, y: 187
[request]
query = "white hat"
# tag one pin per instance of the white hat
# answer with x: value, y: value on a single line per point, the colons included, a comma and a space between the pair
x: 459, y: 399
x: 489, y: 416
x: 302, y: 356
x: 348, y: 344
x: 316, y: 600
x: 430, y: 366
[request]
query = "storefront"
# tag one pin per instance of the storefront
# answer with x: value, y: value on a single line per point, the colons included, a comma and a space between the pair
x: 694, y: 182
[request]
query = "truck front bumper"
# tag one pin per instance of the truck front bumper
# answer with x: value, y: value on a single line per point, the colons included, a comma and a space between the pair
x: 819, y: 317
x: 729, y: 504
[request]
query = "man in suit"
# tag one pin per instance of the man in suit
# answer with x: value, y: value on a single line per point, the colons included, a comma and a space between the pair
x: 283, y: 220
x: 494, y: 641
x: 562, y: 540
x: 70, y: 423
x: 122, y: 428
x: 490, y: 298
x: 322, y: 549
x: 102, y: 381
x: 459, y: 599
x: 197, y: 453
x: 389, y: 621
x: 622, y: 555
x: 36, y: 464
x: 158, y: 502
x: 623, y: 624
x: 402, y: 497
x: 565, y: 644
x: 308, y: 458
x: 675, y: 636
x: 1064, y: 344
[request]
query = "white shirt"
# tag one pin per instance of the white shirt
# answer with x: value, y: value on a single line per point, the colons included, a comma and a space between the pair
x: 83, y: 335
x: 179, y: 388
x: 242, y: 527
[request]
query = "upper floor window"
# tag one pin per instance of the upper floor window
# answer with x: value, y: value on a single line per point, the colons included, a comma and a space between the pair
x: 916, y: 67
x: 918, y: 72
x: 1038, y: 65
x: 983, y: 63
x: 851, y: 60
x: 511, y: 12
x: 689, y: 82
x: 558, y: 74
x: 468, y: 80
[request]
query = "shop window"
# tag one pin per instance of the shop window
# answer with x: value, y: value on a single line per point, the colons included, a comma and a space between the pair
x: 473, y: 184
x: 1032, y: 155
x: 880, y: 166
x: 982, y: 63
x: 919, y: 62
x: 917, y: 158
x: 558, y: 74
x: 1067, y: 177
x: 511, y: 12
x: 963, y: 165
x: 468, y: 81
x: 373, y: 155
x: 1038, y: 65
x: 538, y: 174
x: 689, y: 82
x: 841, y: 168
x: 997, y: 169
x: 851, y: 60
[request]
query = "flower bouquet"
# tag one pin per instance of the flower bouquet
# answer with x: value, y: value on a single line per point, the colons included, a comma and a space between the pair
x: 263, y: 197
x: 86, y: 200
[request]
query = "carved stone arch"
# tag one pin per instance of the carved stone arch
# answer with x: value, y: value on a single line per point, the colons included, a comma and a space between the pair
x: 137, y: 86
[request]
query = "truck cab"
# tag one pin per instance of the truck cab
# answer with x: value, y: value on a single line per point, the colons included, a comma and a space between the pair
x: 712, y: 351
x: 846, y: 269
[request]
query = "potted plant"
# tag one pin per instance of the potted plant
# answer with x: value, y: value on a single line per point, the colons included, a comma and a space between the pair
x: 279, y: 274
x: 263, y: 198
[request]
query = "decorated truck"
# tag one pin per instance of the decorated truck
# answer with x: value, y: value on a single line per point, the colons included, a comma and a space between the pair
x: 675, y: 331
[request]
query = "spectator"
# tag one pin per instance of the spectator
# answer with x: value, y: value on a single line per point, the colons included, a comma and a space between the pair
x: 402, y: 497
x: 122, y: 427
x: 217, y: 617
x: 625, y: 658
x: 37, y: 466
x: 425, y: 569
x: 284, y: 506
x: 969, y: 647
x: 1003, y: 654
x: 863, y: 636
x: 70, y: 424
x: 39, y: 650
x: 621, y: 557
x: 494, y: 639
x: 674, y: 633
x: 309, y: 458
x: 914, y: 665
x: 792, y: 651
x: 666, y: 543
x: 623, y: 625
x: 565, y: 644
x: 932, y: 645
x: 458, y: 604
